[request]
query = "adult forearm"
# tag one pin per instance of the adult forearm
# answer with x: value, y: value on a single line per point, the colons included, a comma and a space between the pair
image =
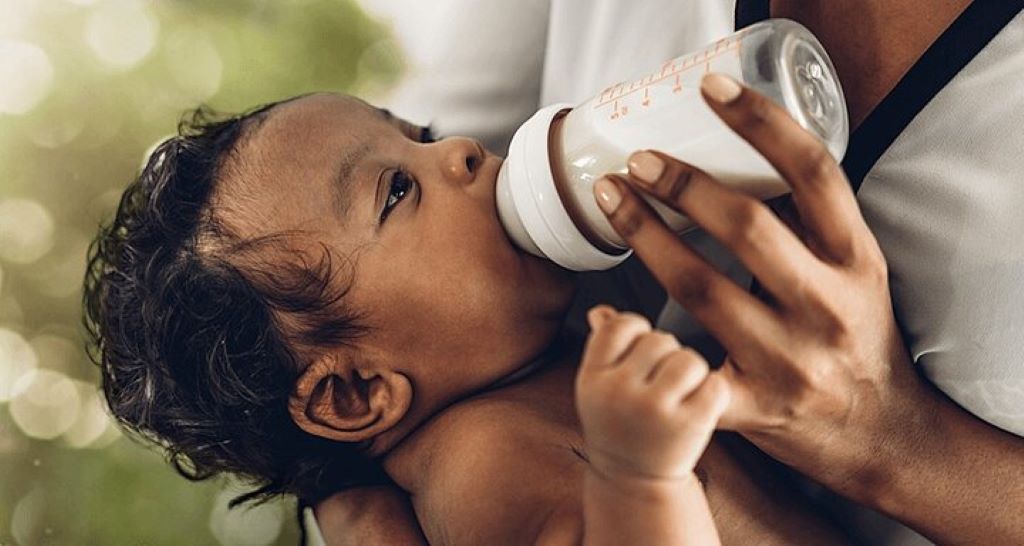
x: 369, y: 515
x: 639, y: 511
x: 753, y: 502
x: 948, y: 475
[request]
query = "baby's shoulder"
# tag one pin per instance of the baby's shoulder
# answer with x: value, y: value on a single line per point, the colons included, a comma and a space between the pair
x: 488, y: 439
x: 501, y: 469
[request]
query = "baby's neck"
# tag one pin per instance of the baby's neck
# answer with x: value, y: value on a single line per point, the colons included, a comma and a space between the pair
x: 565, y: 347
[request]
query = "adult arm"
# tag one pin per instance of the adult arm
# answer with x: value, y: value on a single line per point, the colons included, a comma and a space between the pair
x: 369, y: 515
x: 820, y: 377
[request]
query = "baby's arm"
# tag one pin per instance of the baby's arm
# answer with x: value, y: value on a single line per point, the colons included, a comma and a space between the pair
x: 648, y: 407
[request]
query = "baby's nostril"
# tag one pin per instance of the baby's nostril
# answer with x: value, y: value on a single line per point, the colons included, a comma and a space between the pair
x: 471, y: 162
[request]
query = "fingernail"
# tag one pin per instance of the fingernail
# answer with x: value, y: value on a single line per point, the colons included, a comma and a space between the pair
x: 608, y: 195
x: 646, y: 167
x: 720, y: 88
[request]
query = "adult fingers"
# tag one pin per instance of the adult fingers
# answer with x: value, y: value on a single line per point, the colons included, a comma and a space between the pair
x: 746, y: 226
x: 738, y: 320
x: 821, y: 191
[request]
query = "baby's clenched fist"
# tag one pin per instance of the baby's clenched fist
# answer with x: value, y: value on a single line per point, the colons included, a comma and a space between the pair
x: 647, y: 405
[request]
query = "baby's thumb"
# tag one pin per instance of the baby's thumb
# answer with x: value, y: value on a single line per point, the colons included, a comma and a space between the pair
x: 599, y: 314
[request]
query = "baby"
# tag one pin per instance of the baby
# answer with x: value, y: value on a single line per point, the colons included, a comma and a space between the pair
x: 317, y: 295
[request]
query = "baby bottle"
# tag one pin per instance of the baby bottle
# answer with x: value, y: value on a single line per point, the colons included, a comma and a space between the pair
x: 545, y: 187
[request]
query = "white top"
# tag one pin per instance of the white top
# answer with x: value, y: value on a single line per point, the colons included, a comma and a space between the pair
x: 946, y: 202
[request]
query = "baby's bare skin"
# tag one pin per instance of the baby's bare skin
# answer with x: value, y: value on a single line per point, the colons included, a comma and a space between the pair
x: 510, y: 455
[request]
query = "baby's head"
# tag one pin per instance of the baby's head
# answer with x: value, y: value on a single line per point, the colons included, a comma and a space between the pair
x: 285, y: 294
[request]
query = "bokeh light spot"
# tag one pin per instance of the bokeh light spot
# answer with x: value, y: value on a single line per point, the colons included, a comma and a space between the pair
x: 26, y: 230
x: 27, y: 515
x: 26, y: 76
x: 17, y: 358
x: 60, y: 272
x: 102, y: 126
x: 15, y: 16
x: 194, y: 63
x: 55, y: 133
x: 92, y: 421
x: 55, y: 352
x: 121, y: 33
x: 46, y: 405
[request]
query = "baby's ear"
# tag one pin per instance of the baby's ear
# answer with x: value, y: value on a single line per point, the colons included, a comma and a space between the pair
x: 336, y: 400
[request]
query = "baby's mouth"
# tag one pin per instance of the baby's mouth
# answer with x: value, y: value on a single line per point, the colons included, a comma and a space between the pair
x: 494, y: 203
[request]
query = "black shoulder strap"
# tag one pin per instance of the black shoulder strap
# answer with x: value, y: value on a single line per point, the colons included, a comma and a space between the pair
x: 950, y: 53
x: 749, y: 12
x: 946, y: 57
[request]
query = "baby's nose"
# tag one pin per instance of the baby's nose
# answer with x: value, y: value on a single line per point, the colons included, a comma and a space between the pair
x: 463, y: 157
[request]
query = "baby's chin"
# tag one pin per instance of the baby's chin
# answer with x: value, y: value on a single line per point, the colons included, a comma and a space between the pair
x: 561, y: 283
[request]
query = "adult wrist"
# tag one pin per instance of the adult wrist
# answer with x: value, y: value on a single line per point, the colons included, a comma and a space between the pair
x: 901, y: 445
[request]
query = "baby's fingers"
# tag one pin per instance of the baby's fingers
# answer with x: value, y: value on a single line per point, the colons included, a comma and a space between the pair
x: 612, y: 334
x: 679, y: 373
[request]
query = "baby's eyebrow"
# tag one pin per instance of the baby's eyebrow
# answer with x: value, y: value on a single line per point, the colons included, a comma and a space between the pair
x: 343, y: 184
x: 402, y: 123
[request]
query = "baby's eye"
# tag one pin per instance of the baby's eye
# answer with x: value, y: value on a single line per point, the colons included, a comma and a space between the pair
x: 400, y: 186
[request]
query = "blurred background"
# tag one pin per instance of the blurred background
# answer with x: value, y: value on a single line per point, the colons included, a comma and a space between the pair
x: 86, y: 88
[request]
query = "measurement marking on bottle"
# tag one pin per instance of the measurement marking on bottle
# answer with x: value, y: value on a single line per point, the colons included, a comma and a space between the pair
x: 619, y: 110
x: 674, y: 68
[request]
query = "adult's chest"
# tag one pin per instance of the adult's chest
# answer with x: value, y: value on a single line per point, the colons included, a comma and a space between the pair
x: 946, y: 202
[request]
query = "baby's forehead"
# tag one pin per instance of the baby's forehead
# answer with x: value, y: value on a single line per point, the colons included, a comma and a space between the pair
x: 312, y: 116
x: 282, y: 171
x: 303, y: 137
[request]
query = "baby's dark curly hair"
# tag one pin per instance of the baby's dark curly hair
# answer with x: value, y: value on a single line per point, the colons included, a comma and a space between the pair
x: 196, y: 334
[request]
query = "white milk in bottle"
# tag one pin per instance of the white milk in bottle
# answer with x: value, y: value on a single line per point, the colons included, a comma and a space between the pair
x: 545, y: 187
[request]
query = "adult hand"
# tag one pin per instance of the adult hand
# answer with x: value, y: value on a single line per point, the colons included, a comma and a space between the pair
x: 819, y: 375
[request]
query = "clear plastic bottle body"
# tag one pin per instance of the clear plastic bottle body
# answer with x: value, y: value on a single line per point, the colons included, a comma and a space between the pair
x: 665, y: 111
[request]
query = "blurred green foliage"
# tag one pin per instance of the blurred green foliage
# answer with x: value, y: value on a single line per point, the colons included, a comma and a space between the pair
x: 114, y: 77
